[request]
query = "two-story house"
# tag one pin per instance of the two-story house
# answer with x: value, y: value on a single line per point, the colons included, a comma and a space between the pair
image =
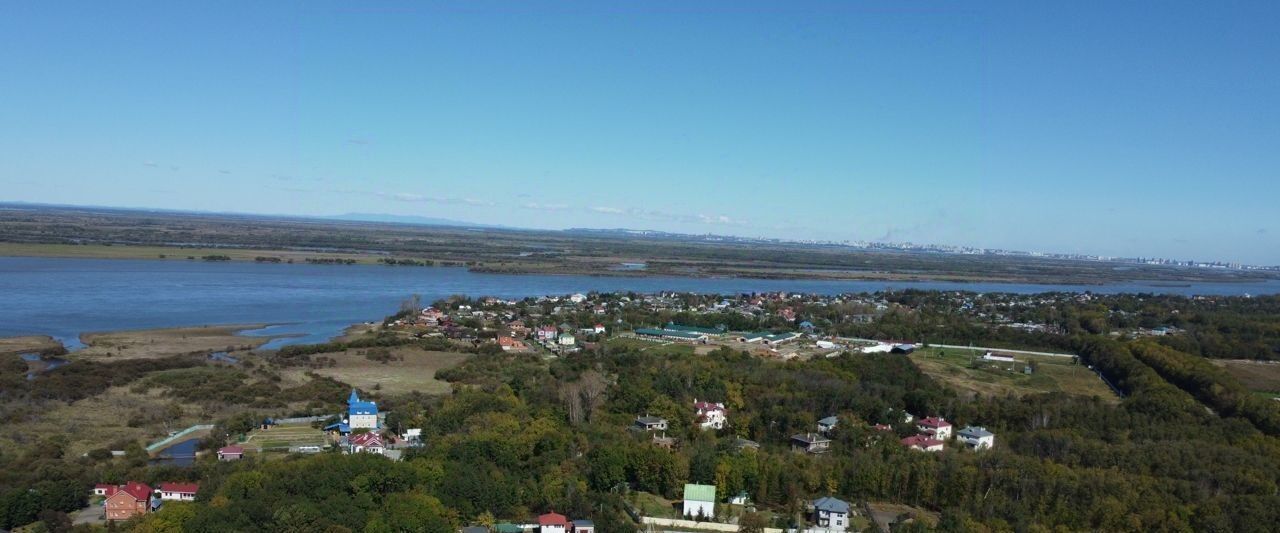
x: 127, y: 501
x: 361, y: 414
x: 831, y: 514
x: 977, y: 438
x: 710, y: 415
x: 936, y: 426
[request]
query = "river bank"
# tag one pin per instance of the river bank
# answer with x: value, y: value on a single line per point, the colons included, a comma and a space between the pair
x: 65, y: 298
x: 947, y: 268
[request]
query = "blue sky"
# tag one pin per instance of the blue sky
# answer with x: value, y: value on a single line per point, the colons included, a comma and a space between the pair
x: 1116, y: 128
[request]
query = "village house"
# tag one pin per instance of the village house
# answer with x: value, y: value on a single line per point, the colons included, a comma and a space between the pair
x: 510, y: 344
x: 366, y: 443
x: 547, y: 333
x: 566, y: 340
x: 650, y: 423
x: 831, y: 514
x: 181, y: 492
x: 553, y: 523
x: 430, y: 316
x: 710, y: 415
x: 740, y: 444
x: 699, y: 501
x: 360, y: 414
x: 998, y: 358
x: 923, y: 443
x: 230, y: 453
x: 935, y: 426
x: 518, y: 329
x: 810, y: 443
x: 903, y: 349
x: 977, y: 438
x: 827, y: 424
x: 127, y: 501
x: 583, y: 526
x: 741, y: 498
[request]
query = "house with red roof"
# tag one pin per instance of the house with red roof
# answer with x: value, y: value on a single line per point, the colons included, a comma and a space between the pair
x: 179, y: 492
x: 923, y: 443
x: 510, y: 344
x: 366, y: 443
x: 230, y: 453
x: 710, y: 415
x: 936, y: 426
x: 553, y: 523
x: 128, y: 500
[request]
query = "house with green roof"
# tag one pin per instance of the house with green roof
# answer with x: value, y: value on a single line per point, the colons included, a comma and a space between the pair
x: 699, y: 500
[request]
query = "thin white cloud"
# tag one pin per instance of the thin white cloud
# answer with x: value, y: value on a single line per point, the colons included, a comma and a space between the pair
x: 545, y: 207
x: 720, y: 219
x: 151, y: 163
x: 419, y: 198
x: 653, y: 214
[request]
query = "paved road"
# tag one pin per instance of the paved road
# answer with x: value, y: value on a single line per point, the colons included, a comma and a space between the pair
x: 89, y: 515
x: 979, y: 348
x: 1000, y: 350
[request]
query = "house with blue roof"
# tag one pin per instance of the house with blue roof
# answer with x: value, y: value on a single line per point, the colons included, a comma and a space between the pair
x: 360, y: 415
x: 831, y: 514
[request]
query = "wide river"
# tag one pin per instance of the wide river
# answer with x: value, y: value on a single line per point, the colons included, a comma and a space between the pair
x: 66, y: 297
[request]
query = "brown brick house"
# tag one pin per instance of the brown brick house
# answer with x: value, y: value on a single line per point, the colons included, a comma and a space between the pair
x: 128, y: 500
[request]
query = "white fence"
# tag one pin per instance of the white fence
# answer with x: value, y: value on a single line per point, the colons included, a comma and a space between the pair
x: 713, y: 526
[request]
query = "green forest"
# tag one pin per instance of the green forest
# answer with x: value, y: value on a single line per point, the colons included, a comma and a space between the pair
x: 1186, y: 449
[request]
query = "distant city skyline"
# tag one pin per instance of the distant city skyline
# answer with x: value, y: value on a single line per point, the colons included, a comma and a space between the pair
x: 1145, y: 129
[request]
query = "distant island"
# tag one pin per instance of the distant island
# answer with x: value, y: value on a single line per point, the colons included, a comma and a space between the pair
x: 69, y: 231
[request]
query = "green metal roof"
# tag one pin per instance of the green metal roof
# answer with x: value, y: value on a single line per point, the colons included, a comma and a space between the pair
x: 699, y: 493
x: 692, y: 329
x: 507, y: 528
x: 668, y: 333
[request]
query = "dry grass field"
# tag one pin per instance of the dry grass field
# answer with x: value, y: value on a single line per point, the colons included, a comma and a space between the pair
x: 168, y: 253
x: 31, y: 343
x: 1054, y: 374
x: 416, y: 372
x: 147, y: 344
x: 1260, y: 376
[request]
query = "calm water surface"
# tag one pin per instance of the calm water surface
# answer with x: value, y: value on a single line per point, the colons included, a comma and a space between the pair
x: 312, y: 303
